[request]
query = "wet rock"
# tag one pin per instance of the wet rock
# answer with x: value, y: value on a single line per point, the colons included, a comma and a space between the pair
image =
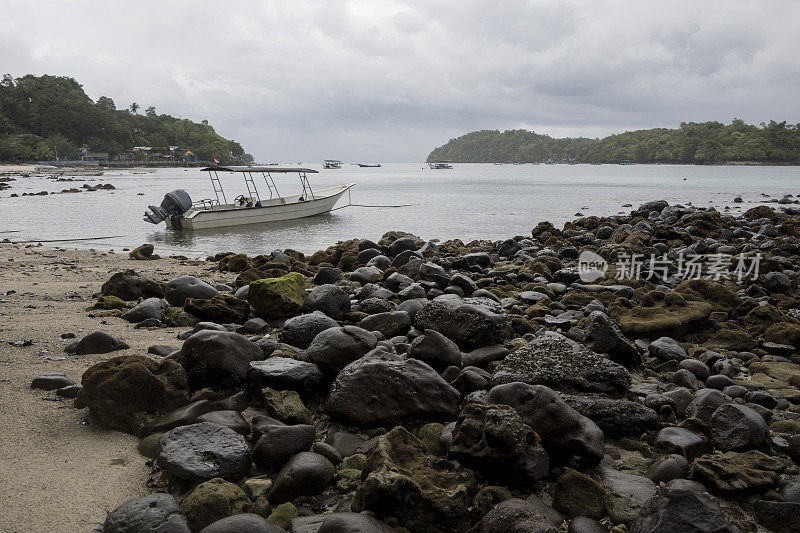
x: 241, y: 523
x: 278, y: 297
x: 345, y: 443
x: 128, y: 285
x: 681, y: 441
x: 734, y: 473
x: 127, y: 393
x: 228, y: 418
x: 515, y: 516
x: 666, y: 349
x: 389, y: 324
x: 182, y: 416
x: 327, y: 275
x: 146, y: 309
x: 602, y: 335
x: 485, y: 355
x: 777, y: 282
x: 179, y: 289
x: 737, y: 427
x: 94, y: 343
x: 584, y: 524
x: 352, y: 523
x: 626, y: 493
x: 384, y: 388
x: 699, y: 369
x: 366, y: 274
x: 435, y: 349
x: 617, y: 418
x: 494, y: 440
x: 704, y: 404
x: 213, y: 500
x: 286, y: 373
x: 470, y: 326
x: 154, y: 512
x: 781, y: 517
x: 279, y: 443
x: 51, y: 381
x: 329, y: 299
x: 221, y: 308
x: 555, y: 361
x: 569, y: 437
x: 217, y: 359
x: 161, y: 350
x: 673, y: 466
x: 402, y: 479
x: 682, y: 507
x: 203, y: 451
x: 300, y: 330
x: 335, y: 348
x: 306, y: 473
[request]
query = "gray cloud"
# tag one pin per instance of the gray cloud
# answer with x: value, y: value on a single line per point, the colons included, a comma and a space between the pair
x: 389, y: 80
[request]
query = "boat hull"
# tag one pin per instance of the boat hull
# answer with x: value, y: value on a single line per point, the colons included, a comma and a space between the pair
x: 221, y: 218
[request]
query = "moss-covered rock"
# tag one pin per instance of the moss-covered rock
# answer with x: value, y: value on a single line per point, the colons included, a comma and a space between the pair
x: 705, y: 290
x: 278, y: 297
x: 109, y: 302
x: 235, y: 263
x: 286, y: 406
x: 783, y: 333
x: 212, y: 500
x: 283, y: 515
x: 176, y: 316
x: 662, y: 315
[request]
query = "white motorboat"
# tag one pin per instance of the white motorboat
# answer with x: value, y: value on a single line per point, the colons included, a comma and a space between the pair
x: 331, y: 163
x: 179, y: 212
x: 440, y: 165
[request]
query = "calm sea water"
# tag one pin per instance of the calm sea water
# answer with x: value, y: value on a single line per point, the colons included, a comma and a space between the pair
x: 469, y: 202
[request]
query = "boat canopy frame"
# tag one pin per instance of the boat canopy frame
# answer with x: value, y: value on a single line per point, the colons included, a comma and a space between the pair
x: 252, y: 191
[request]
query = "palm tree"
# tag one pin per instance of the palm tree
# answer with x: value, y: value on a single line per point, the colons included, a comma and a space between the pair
x: 134, y: 108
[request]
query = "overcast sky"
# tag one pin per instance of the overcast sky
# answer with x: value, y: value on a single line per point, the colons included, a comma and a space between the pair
x: 382, y: 80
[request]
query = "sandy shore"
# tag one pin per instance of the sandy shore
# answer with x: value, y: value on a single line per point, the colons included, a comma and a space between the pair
x: 60, y: 471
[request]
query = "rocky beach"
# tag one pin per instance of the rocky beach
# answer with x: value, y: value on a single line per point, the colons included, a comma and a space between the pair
x: 412, y: 385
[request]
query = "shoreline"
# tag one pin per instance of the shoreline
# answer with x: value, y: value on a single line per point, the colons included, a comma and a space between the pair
x: 65, y: 471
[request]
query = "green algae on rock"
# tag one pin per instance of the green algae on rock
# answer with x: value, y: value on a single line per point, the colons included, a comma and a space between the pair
x: 278, y: 297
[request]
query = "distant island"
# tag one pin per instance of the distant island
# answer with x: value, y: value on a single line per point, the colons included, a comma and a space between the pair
x: 48, y: 118
x: 697, y: 143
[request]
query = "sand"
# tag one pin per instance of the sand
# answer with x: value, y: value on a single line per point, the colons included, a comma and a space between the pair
x: 59, y: 469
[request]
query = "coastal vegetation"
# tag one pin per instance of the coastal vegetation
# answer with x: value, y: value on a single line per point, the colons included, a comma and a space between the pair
x: 51, y: 117
x: 692, y: 142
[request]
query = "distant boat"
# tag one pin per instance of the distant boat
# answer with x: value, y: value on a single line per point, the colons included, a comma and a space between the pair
x: 499, y: 163
x: 331, y: 163
x: 179, y: 212
x: 439, y: 165
x: 369, y: 165
x: 627, y: 163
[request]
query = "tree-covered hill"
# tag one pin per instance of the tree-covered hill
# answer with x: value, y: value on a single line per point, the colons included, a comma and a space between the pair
x: 42, y: 115
x: 705, y: 142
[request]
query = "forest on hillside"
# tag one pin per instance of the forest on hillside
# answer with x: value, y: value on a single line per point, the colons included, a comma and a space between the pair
x: 699, y: 143
x: 48, y: 117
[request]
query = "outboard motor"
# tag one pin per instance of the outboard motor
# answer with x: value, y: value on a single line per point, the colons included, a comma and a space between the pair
x: 174, y: 204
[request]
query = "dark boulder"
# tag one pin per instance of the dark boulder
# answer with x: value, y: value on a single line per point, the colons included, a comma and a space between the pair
x: 335, y: 348
x: 146, y: 309
x: 737, y: 427
x: 203, y: 451
x: 494, y: 440
x: 682, y: 506
x: 180, y: 288
x: 306, y: 473
x: 94, y: 343
x: 279, y: 443
x: 217, y: 359
x: 435, y: 349
x: 128, y: 285
x: 329, y: 299
x: 127, y: 393
x: 569, y: 437
x: 555, y: 361
x: 470, y: 326
x: 382, y: 388
x: 300, y: 330
x: 157, y: 513
x: 602, y: 335
x: 221, y: 308
x: 516, y: 516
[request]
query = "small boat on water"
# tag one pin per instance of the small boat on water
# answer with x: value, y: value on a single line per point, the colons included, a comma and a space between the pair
x: 439, y: 165
x: 331, y: 163
x: 369, y: 165
x: 179, y: 212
